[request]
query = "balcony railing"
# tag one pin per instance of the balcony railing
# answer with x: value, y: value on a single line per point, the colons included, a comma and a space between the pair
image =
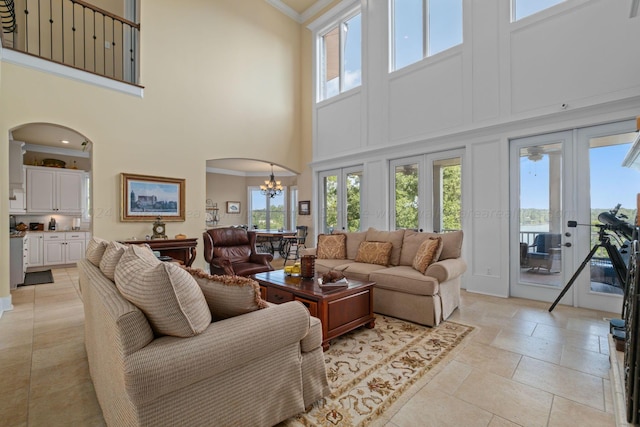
x: 73, y: 33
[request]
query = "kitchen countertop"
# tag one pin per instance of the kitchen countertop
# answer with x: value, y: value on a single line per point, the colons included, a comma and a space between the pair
x: 18, y: 234
x: 57, y: 231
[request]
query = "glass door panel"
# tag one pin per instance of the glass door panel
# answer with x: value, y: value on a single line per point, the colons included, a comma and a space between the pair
x: 540, y: 214
x: 606, y: 174
x: 612, y: 189
x: 539, y: 200
x: 353, y: 180
x: 447, y: 194
x: 329, y: 201
x: 340, y: 199
x: 406, y: 206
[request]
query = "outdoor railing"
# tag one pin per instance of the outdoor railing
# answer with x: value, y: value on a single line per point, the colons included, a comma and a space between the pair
x: 73, y: 33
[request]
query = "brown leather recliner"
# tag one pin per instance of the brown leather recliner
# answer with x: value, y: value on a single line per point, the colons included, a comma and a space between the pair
x: 232, y: 251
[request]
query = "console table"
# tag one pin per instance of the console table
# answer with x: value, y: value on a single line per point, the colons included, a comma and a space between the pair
x: 181, y: 249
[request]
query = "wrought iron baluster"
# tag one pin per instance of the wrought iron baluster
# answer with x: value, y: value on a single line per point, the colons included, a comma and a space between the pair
x: 95, y: 70
x: 39, y: 31
x: 113, y: 45
x: 26, y: 25
x: 51, y: 29
x: 73, y: 32
x: 62, y: 28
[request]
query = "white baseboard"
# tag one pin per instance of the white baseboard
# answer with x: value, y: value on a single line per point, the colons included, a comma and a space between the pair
x: 5, y: 304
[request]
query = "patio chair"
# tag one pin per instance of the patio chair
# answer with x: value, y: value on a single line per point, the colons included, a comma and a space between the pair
x: 545, y: 248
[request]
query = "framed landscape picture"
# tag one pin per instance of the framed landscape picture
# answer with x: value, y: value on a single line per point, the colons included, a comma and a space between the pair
x: 144, y: 198
x: 233, y: 207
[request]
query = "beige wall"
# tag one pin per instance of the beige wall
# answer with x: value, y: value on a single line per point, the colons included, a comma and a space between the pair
x: 222, y: 80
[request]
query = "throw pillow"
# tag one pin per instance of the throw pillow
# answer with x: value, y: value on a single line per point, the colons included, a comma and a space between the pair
x: 331, y: 246
x: 427, y: 253
x: 374, y: 252
x: 135, y: 258
x: 452, y: 245
x: 353, y: 240
x: 110, y: 259
x: 95, y: 250
x: 228, y: 296
x: 395, y: 237
x: 168, y: 295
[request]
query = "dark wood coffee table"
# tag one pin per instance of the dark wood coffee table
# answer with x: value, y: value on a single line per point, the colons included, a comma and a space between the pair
x: 339, y: 309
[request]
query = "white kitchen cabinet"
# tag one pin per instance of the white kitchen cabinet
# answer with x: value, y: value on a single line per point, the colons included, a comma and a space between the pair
x: 18, y: 201
x: 63, y: 247
x: 35, y: 245
x: 54, y: 190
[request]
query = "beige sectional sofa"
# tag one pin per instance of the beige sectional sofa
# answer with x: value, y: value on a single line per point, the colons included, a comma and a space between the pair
x: 162, y: 361
x: 402, y: 291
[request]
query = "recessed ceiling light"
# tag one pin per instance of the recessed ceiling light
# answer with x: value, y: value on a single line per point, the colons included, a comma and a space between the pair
x: 64, y: 141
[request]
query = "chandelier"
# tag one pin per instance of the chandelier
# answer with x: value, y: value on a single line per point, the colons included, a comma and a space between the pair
x: 271, y: 188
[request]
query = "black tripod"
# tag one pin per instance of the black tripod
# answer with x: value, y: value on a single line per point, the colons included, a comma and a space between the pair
x: 614, y: 256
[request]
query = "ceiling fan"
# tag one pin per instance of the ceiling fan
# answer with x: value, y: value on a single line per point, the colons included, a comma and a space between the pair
x: 534, y: 153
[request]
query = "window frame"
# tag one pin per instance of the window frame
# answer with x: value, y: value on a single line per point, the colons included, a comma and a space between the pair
x: 513, y: 10
x: 250, y: 190
x: 325, y: 24
x: 425, y: 36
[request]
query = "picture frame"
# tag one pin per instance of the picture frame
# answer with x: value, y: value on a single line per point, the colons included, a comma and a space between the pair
x: 233, y: 207
x: 304, y: 207
x: 145, y: 197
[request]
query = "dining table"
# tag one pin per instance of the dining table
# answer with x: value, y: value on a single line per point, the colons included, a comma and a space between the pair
x: 272, y: 240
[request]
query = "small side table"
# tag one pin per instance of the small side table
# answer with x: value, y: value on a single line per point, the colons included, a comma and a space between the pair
x: 183, y: 250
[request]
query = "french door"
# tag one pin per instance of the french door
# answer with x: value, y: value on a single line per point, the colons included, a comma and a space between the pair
x: 427, y: 192
x: 340, y: 199
x: 567, y: 176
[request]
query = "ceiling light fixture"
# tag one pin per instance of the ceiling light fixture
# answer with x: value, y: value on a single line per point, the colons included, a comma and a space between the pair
x: 64, y: 141
x: 271, y: 188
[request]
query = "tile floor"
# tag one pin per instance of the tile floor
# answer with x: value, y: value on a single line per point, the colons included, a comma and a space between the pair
x: 523, y: 366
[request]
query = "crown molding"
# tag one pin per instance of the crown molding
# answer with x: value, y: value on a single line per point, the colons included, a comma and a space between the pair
x: 300, y: 17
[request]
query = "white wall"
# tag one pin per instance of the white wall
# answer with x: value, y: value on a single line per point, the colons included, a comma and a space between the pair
x: 506, y: 80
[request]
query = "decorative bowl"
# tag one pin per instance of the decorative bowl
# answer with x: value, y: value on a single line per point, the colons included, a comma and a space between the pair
x: 54, y: 163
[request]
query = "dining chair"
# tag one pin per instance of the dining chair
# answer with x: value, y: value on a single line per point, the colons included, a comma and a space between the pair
x: 294, y: 243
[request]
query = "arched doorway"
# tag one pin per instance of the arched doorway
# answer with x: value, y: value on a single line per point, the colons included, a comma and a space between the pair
x: 50, y: 183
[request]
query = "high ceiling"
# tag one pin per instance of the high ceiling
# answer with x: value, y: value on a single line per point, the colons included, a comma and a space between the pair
x: 53, y: 135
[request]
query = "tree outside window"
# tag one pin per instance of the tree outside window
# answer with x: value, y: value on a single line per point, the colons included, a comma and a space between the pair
x: 267, y: 212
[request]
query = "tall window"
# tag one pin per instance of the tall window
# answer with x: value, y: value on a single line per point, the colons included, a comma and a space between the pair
x: 267, y: 212
x: 422, y: 28
x: 523, y: 8
x: 340, y: 62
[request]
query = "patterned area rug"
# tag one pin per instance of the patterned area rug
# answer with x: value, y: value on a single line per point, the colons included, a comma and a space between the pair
x: 369, y: 369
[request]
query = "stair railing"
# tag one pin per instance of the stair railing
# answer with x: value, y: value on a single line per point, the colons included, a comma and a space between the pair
x: 76, y: 34
x: 7, y: 19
